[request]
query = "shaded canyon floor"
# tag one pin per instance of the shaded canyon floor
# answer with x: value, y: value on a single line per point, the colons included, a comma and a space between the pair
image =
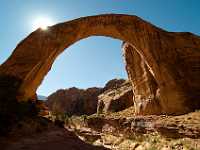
x: 117, y: 131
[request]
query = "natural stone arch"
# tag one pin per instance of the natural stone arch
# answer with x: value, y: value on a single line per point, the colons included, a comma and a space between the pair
x: 160, y: 50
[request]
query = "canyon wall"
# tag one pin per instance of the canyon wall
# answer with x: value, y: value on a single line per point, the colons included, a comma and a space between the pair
x: 116, y: 95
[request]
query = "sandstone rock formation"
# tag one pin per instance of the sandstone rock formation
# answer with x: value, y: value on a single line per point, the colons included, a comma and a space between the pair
x: 173, y: 60
x: 145, y: 88
x: 74, y: 101
x: 114, y: 83
x: 117, y: 97
x: 152, y: 98
x: 139, y: 132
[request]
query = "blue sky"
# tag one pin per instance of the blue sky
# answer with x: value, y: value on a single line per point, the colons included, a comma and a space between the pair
x: 92, y: 61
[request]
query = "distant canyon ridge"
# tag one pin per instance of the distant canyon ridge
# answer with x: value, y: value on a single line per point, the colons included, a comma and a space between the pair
x: 115, y: 96
x: 163, y: 67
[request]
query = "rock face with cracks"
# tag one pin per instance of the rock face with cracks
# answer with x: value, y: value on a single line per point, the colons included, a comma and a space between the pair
x: 169, y: 60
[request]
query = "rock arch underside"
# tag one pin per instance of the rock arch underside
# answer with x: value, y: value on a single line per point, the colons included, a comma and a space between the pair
x: 163, y: 67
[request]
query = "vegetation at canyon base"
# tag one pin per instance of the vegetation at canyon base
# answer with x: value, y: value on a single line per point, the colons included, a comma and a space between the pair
x: 138, y: 141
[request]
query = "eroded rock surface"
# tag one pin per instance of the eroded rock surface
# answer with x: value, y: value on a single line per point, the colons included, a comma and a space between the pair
x: 175, y: 91
x: 74, y: 101
x: 140, y: 132
x: 146, y: 92
x: 173, y: 60
x: 113, y: 84
x: 117, y: 97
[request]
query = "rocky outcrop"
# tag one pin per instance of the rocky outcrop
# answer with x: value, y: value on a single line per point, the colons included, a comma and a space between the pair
x: 113, y: 84
x: 74, y: 101
x: 168, y: 126
x: 173, y: 60
x: 117, y: 97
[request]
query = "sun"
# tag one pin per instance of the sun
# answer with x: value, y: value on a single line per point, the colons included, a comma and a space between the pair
x: 42, y: 23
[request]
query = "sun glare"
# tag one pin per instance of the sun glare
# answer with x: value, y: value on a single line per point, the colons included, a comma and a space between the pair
x: 42, y: 23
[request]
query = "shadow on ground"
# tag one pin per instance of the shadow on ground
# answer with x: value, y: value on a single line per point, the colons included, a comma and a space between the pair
x: 52, y: 139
